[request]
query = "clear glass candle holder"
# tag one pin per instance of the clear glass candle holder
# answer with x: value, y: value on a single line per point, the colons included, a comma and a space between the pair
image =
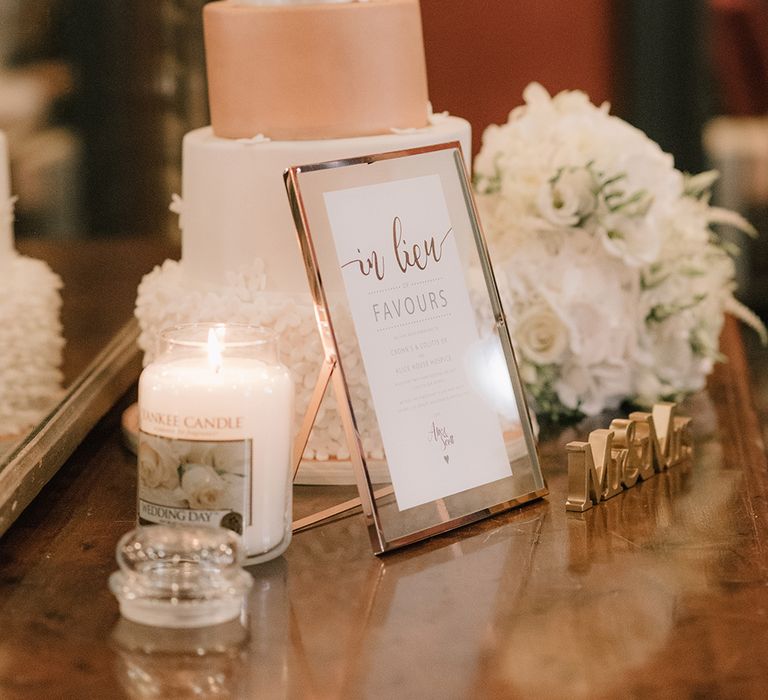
x: 215, y: 420
x: 180, y: 577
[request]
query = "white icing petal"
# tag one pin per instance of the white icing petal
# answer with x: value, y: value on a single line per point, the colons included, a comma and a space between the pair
x: 259, y: 138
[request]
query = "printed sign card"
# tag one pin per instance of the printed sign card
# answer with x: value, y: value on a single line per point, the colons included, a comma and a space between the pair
x: 415, y: 325
x: 389, y: 242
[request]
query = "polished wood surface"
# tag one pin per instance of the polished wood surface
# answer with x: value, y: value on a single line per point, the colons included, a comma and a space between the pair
x: 660, y: 592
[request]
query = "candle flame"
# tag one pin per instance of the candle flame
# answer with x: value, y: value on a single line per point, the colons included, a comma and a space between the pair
x: 214, y: 350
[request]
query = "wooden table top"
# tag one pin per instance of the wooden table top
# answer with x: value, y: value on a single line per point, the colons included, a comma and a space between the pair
x: 659, y: 592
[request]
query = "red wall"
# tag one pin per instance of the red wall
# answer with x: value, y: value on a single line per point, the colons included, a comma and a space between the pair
x: 482, y: 53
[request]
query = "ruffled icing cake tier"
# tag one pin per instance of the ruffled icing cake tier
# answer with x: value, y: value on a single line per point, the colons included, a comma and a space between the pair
x: 31, y: 343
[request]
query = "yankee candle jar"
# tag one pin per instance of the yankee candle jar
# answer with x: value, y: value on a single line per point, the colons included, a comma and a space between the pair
x: 215, y: 417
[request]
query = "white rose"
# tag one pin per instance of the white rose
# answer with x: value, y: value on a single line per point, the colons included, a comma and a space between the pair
x: 568, y: 199
x: 541, y: 336
x: 203, y: 487
x: 158, y: 466
x: 635, y: 240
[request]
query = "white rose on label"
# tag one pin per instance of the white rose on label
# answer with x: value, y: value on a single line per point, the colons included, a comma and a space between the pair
x: 541, y: 336
x: 175, y: 497
x: 197, y: 453
x: 203, y: 487
x: 230, y: 458
x: 158, y: 466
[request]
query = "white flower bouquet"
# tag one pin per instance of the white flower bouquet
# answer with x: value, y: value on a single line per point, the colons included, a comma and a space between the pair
x: 613, y: 280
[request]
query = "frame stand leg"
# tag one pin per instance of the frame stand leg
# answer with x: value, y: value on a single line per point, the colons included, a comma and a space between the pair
x: 333, y: 511
x: 300, y: 444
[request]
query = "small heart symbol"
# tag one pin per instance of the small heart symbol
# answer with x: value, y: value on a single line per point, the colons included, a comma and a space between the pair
x: 446, y: 458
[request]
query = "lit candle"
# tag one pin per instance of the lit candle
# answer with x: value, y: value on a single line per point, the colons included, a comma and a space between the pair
x: 215, y: 416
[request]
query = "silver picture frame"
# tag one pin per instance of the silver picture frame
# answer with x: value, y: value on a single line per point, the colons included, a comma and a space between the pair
x: 390, y: 527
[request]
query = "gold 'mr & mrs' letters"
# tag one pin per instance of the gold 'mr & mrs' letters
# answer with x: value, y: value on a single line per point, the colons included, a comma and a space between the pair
x: 630, y: 450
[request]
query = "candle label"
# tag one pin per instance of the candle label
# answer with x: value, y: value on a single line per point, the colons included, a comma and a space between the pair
x: 193, y: 482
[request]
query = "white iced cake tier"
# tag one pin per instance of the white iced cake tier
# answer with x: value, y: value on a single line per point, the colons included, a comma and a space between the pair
x: 241, y: 263
x: 234, y: 208
x: 30, y: 330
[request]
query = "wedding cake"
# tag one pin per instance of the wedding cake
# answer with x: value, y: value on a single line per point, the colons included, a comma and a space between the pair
x: 30, y: 330
x: 290, y: 83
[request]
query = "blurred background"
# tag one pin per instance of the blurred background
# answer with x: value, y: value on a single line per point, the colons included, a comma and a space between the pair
x: 95, y: 96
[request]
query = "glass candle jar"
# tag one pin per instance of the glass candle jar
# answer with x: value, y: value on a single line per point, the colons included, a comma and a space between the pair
x: 215, y: 418
x: 180, y: 577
